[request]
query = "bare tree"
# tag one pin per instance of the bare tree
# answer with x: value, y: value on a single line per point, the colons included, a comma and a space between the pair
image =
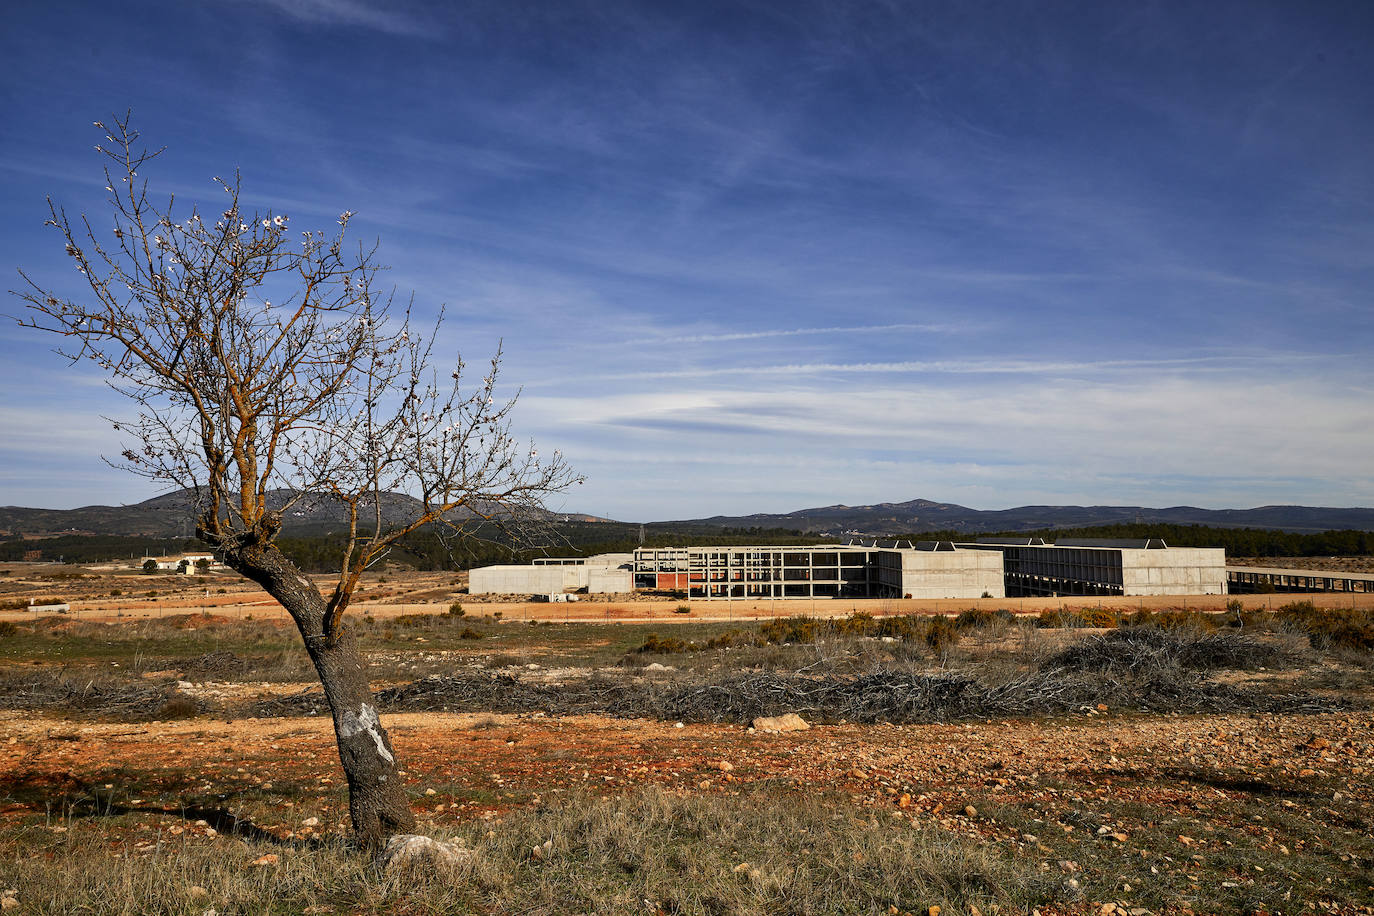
x: 269, y: 374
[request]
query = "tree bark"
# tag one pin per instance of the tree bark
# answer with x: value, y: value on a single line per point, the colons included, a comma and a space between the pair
x: 377, y: 801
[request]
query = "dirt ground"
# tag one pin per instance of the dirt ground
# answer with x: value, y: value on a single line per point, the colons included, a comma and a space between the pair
x: 1124, y: 812
x: 1190, y: 805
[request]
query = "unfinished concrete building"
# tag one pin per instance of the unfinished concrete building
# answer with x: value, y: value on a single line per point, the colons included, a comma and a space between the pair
x: 824, y: 571
x: 991, y: 568
x: 1072, y: 566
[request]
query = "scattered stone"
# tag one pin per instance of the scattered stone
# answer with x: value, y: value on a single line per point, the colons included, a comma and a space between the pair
x: 410, y: 850
x: 196, y: 892
x: 311, y: 822
x: 791, y: 722
x: 725, y: 766
x: 970, y: 811
x: 8, y: 903
x: 264, y: 861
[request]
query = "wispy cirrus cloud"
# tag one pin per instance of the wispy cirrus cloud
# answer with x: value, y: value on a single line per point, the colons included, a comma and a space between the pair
x: 688, y: 338
x: 381, y: 17
x: 981, y: 367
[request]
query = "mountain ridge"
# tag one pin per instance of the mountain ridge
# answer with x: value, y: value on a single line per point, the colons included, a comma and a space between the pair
x: 168, y: 515
x: 918, y: 515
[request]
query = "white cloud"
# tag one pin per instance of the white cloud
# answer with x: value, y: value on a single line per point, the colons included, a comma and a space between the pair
x: 381, y: 17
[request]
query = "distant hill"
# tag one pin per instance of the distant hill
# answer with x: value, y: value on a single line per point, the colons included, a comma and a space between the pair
x: 919, y: 515
x: 170, y: 516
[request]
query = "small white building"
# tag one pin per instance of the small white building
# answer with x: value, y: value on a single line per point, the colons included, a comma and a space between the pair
x: 185, y: 563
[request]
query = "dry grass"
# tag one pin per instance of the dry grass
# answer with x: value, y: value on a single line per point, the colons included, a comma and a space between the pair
x: 651, y: 851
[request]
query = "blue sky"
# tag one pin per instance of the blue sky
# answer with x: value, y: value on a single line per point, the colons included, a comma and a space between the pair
x: 765, y: 256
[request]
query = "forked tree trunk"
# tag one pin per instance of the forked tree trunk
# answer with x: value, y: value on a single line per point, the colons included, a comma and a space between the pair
x: 376, y: 799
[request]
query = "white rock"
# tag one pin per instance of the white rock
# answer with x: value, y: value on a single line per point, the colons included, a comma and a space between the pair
x: 791, y: 722
x: 409, y: 850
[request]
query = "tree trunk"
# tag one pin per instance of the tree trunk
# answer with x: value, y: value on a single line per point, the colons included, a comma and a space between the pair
x: 376, y: 799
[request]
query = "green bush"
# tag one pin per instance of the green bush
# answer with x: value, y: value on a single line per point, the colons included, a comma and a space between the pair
x: 1330, y: 628
x: 982, y: 619
x: 941, y: 635
x: 456, y: 609
x: 1083, y: 617
x: 666, y: 645
x: 7, y: 628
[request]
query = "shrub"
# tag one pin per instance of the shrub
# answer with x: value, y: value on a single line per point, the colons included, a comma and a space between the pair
x: 179, y: 706
x: 412, y: 620
x: 7, y: 628
x: 941, y: 635
x: 735, y: 638
x: 682, y: 609
x: 1351, y: 628
x: 905, y: 628
x: 669, y: 645
x: 1175, y: 619
x: 456, y: 609
x: 981, y: 619
x: 115, y: 593
x: 1097, y: 617
x: 793, y: 630
x: 469, y: 633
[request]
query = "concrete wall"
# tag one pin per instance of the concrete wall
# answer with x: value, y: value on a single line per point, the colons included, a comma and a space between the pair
x: 548, y: 580
x: 603, y: 580
x: 951, y: 574
x: 1174, y: 571
x: 525, y: 580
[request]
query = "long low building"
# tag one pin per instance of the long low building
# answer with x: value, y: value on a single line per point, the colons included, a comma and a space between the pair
x: 986, y: 568
x: 823, y: 571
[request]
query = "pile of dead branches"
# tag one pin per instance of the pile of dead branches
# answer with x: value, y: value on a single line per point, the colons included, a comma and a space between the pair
x: 74, y: 693
x: 220, y: 665
x: 877, y: 697
x: 1137, y: 651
